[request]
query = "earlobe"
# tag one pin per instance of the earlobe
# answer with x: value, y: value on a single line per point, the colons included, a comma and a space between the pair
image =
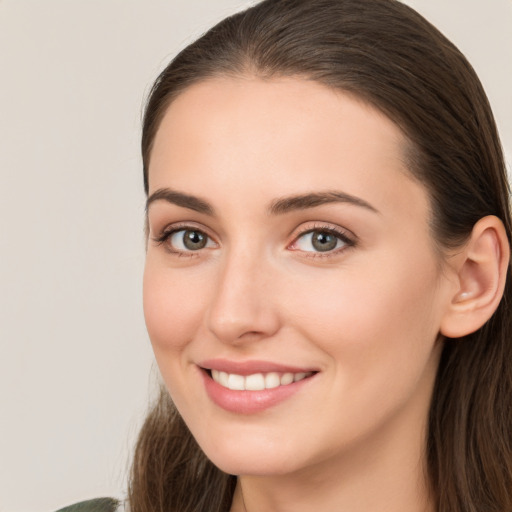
x: 481, y: 272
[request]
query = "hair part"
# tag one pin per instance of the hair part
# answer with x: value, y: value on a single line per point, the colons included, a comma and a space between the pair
x: 386, y: 54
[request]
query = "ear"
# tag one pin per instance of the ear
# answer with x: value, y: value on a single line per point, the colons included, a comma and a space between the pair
x: 481, y: 269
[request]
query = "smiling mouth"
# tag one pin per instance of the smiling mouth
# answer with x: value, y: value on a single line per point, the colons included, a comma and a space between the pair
x: 252, y: 387
x: 256, y: 381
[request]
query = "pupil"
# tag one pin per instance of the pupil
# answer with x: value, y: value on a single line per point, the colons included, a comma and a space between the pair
x: 194, y: 240
x: 324, y: 241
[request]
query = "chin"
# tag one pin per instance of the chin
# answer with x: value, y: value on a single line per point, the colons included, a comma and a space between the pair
x: 250, y: 459
x: 266, y: 466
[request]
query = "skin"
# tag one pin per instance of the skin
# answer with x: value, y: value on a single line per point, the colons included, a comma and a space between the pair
x: 365, y: 315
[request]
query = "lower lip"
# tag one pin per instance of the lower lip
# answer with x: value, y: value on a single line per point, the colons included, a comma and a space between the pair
x: 249, y: 402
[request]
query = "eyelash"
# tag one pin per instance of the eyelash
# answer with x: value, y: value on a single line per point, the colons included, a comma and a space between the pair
x: 348, y: 241
x: 168, y: 232
x: 342, y: 235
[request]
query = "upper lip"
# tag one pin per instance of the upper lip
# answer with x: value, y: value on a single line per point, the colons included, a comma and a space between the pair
x: 251, y: 367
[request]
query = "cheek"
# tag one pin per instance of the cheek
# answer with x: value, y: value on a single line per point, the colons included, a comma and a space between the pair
x: 173, y: 307
x: 373, y: 318
x: 378, y: 328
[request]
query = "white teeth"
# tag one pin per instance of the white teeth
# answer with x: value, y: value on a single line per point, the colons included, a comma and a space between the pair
x: 256, y: 381
x: 286, y: 378
x: 272, y: 380
x: 223, y: 379
x: 236, y: 382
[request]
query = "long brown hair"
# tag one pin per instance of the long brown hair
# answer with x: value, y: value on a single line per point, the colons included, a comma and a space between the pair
x: 389, y: 56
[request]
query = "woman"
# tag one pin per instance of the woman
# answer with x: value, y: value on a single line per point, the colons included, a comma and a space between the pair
x: 326, y: 282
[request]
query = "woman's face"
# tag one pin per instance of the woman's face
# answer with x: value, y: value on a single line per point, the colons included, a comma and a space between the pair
x: 292, y: 290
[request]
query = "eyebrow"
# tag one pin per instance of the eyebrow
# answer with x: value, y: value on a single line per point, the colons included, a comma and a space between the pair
x: 277, y: 207
x: 180, y: 199
x: 305, y: 201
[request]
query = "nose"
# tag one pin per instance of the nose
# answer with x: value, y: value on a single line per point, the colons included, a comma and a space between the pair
x: 243, y: 306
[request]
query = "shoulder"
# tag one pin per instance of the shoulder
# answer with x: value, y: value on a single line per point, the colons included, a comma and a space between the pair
x: 96, y: 505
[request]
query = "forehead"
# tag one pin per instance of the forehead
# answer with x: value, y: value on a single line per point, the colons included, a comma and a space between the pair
x: 236, y: 136
x: 259, y: 108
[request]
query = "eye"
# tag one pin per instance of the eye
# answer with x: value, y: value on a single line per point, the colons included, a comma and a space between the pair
x: 186, y: 240
x: 321, y: 241
x: 189, y: 240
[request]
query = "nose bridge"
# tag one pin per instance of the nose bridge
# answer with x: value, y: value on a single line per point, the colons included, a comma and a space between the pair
x: 242, y: 306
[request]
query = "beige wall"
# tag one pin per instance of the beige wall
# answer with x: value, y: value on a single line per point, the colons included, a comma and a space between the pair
x: 74, y: 356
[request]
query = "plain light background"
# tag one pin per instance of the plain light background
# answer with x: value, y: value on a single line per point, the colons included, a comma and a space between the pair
x: 75, y: 361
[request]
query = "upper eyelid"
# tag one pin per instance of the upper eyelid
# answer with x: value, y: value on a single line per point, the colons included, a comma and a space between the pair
x: 183, y: 226
x: 323, y: 226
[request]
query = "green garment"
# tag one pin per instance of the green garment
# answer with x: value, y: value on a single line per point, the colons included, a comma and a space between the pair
x: 96, y: 505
